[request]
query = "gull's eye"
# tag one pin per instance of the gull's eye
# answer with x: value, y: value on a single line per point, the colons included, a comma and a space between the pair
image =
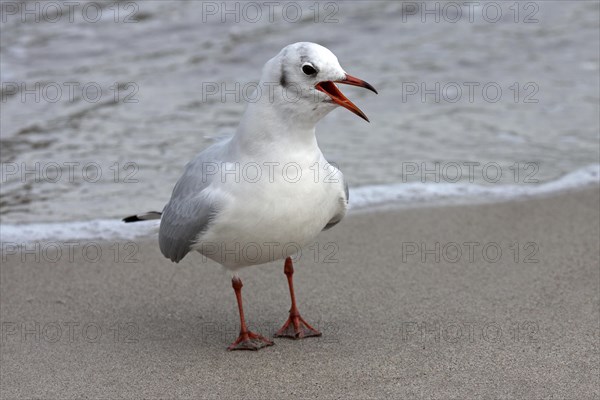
x: 308, y: 69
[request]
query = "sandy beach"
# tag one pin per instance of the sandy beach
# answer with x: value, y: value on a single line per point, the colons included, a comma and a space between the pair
x: 474, y: 301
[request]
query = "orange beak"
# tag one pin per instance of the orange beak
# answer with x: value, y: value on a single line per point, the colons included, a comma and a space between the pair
x: 330, y: 89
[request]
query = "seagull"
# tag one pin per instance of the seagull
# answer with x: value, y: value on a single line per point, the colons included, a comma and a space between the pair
x: 267, y: 191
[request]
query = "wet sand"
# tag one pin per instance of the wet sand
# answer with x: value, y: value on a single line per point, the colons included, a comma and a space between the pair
x: 396, y: 321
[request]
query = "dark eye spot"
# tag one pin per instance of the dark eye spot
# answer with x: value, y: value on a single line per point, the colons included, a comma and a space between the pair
x: 309, y: 69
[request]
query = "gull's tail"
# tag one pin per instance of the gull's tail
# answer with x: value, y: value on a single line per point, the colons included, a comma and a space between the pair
x: 143, y: 217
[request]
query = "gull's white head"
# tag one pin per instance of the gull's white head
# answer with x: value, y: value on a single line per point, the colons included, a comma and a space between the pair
x: 305, y: 75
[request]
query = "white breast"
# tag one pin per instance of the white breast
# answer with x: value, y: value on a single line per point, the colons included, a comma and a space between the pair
x: 271, y: 214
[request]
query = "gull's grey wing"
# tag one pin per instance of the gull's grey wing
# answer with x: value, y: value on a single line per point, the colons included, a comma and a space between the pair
x: 343, y: 202
x: 189, y: 211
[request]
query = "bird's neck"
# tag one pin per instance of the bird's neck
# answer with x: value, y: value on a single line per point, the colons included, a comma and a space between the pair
x: 275, y: 126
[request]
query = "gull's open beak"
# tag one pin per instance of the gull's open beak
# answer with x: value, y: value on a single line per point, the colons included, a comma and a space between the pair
x: 330, y: 89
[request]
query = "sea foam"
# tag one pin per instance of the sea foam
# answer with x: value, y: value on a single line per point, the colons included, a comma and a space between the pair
x: 401, y: 195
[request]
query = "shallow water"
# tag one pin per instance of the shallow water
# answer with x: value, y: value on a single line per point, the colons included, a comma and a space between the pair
x: 543, y: 125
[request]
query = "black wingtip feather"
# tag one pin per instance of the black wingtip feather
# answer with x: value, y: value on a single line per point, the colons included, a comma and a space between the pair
x: 132, y: 218
x: 142, y: 217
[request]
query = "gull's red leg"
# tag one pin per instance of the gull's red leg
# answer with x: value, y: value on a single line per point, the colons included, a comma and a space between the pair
x: 295, y: 327
x: 247, y: 340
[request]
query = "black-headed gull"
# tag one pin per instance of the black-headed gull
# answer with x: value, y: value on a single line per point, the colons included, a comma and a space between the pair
x: 268, y: 190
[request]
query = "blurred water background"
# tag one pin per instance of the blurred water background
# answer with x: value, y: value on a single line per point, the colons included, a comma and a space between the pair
x: 152, y: 60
